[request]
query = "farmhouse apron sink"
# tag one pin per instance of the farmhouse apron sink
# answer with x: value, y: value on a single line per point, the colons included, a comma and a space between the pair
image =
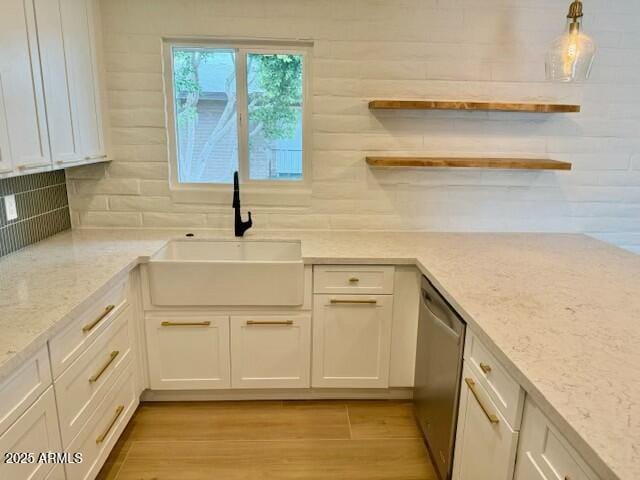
x: 227, y: 273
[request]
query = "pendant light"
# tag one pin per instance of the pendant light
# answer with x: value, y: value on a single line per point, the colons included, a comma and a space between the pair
x: 570, y: 56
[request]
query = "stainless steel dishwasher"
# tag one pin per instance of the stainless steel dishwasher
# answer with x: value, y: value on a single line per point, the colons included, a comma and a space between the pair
x: 437, y: 379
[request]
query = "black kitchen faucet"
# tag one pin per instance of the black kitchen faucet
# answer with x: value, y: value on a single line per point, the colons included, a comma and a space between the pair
x: 239, y: 226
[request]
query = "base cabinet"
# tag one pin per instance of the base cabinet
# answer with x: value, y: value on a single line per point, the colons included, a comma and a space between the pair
x: 486, y: 445
x: 188, y: 352
x: 351, y: 340
x: 270, y: 351
x: 34, y: 432
x: 544, y: 454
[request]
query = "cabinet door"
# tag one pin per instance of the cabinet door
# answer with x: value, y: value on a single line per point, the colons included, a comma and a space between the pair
x: 270, y: 352
x: 34, y: 432
x: 188, y: 352
x: 544, y: 453
x: 6, y: 162
x: 54, y: 43
x: 24, y: 140
x: 485, y: 443
x: 351, y: 340
x: 79, y: 46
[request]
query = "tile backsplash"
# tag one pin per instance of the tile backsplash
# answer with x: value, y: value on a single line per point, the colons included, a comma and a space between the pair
x: 42, y: 206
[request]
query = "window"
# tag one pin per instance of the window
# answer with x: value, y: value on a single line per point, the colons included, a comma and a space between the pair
x: 237, y: 108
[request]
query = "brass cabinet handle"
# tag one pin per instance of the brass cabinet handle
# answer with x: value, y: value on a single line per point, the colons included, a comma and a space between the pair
x: 490, y: 416
x: 89, y: 326
x: 485, y: 367
x: 354, y: 280
x: 119, y: 411
x: 270, y: 322
x: 94, y: 378
x: 186, y: 324
x: 30, y: 166
x: 361, y: 302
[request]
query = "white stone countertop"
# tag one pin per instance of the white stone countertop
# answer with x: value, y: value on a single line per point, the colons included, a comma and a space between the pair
x: 561, y: 312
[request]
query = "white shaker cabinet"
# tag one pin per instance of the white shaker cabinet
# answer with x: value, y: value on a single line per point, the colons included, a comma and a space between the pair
x: 188, y: 352
x: 544, y: 453
x: 23, y: 131
x: 36, y: 431
x: 486, y: 444
x: 70, y: 77
x: 270, y: 351
x: 351, y: 340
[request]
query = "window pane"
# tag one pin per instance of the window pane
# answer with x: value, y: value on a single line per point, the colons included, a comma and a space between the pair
x: 206, y: 114
x: 274, y: 87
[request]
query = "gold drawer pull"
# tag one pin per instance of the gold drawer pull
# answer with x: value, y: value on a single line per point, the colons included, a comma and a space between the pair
x: 485, y: 368
x: 99, y: 373
x: 119, y: 411
x: 89, y: 326
x: 472, y: 386
x: 270, y: 322
x: 186, y: 324
x: 361, y: 302
x: 354, y: 280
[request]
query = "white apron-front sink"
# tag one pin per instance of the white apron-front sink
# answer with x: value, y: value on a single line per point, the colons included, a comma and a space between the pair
x: 227, y: 273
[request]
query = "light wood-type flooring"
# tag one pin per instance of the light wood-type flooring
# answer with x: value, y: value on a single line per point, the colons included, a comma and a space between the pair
x: 372, y: 440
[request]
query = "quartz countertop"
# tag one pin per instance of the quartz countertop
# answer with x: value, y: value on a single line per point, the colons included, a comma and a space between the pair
x: 561, y: 312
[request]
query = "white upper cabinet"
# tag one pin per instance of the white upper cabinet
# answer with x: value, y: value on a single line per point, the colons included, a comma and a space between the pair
x: 70, y: 77
x: 23, y: 133
x: 63, y: 126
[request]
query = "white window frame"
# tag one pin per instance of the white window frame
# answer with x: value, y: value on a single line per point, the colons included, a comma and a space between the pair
x: 289, y: 192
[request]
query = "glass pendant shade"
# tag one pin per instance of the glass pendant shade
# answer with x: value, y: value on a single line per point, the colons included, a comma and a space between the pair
x: 571, y: 55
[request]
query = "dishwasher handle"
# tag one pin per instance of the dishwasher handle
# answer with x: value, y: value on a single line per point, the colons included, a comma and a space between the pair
x: 439, y: 309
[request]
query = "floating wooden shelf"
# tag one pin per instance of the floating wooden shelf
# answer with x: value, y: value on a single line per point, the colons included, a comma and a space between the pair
x: 468, y: 162
x: 461, y: 105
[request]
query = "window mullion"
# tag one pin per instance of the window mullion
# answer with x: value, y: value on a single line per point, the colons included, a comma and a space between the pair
x: 243, y: 114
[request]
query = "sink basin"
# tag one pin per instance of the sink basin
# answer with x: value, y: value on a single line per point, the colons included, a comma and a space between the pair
x: 227, y: 273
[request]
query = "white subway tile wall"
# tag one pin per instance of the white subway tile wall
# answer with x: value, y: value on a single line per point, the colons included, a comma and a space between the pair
x: 366, y: 49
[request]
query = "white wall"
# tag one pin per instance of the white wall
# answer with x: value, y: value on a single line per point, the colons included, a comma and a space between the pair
x: 364, y: 49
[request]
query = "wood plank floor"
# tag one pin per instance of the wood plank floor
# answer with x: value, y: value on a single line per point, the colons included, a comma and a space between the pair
x: 373, y: 440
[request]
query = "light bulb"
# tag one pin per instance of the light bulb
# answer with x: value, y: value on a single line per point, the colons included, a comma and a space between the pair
x: 571, y: 55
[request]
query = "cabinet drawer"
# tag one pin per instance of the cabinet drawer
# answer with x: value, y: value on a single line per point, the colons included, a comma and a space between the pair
x: 485, y: 443
x: 505, y: 392
x: 103, y: 429
x: 544, y: 453
x: 34, y: 432
x: 271, y: 352
x: 21, y: 388
x: 78, y: 335
x: 353, y: 279
x: 85, y: 383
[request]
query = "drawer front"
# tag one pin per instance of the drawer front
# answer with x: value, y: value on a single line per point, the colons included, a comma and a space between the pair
x: 23, y: 387
x: 103, y: 429
x: 485, y: 443
x: 34, y: 432
x: 353, y: 279
x: 505, y: 392
x: 85, y: 383
x: 271, y: 352
x: 544, y: 450
x: 73, y: 340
